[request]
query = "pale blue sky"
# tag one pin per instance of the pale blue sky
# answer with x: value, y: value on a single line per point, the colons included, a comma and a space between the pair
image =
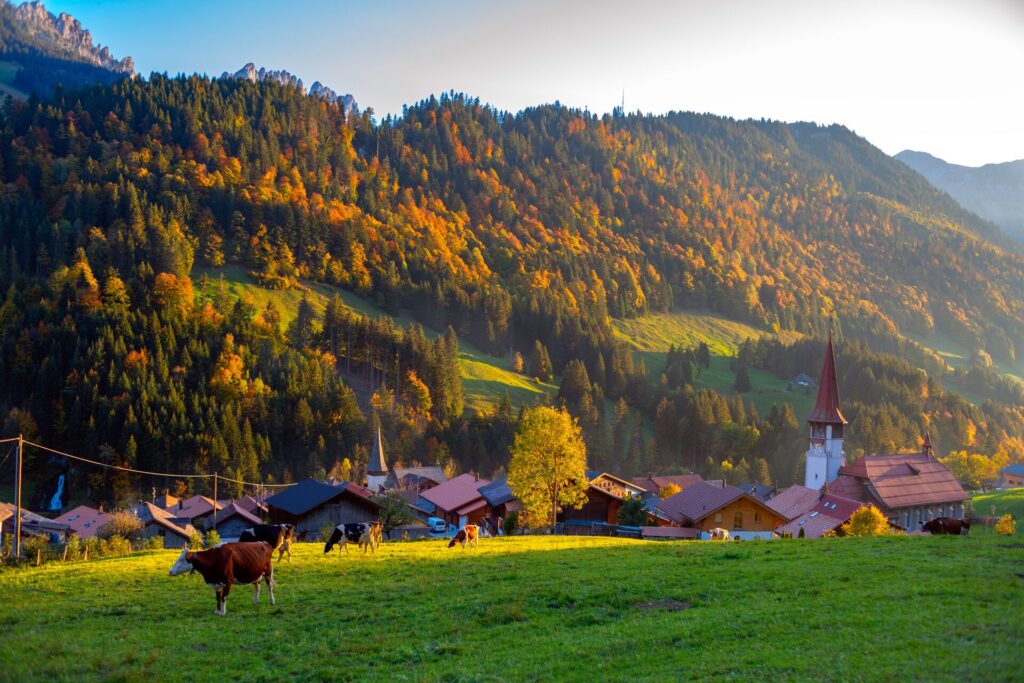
x: 941, y: 76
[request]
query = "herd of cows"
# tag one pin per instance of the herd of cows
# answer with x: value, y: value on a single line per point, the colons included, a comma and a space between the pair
x: 249, y: 560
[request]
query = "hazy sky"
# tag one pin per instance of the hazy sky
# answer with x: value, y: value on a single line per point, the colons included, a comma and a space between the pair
x: 941, y: 76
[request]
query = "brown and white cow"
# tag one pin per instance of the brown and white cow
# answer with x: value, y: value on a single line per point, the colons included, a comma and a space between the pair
x: 718, y: 534
x: 468, y: 535
x: 367, y: 535
x: 228, y: 564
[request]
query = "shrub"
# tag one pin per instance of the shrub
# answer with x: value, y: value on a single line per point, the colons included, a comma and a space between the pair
x: 1006, y: 526
x: 212, y: 538
x: 867, y: 521
x: 633, y: 512
x: 511, y: 520
x: 35, y: 548
x: 195, y: 541
x: 153, y: 543
x: 116, y: 545
x: 91, y: 548
x: 801, y: 534
x: 73, y: 548
x: 122, y: 523
x: 668, y: 490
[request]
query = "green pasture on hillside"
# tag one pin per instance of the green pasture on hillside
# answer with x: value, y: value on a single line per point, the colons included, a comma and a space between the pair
x: 8, y: 70
x: 538, y: 609
x: 1005, y: 501
x: 485, y: 378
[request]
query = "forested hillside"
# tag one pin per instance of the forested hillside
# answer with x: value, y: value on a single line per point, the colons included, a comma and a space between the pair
x: 524, y: 233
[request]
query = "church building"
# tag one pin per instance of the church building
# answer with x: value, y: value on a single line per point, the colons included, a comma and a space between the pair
x: 910, y: 488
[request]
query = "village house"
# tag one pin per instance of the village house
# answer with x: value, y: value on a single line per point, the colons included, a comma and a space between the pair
x: 31, y: 524
x: 655, y: 483
x: 197, y: 510
x: 500, y: 499
x: 704, y: 507
x: 311, y: 505
x: 826, y: 512
x: 83, y: 521
x: 232, y: 519
x: 1011, y: 476
x: 158, y: 522
x: 457, y: 501
x: 605, y: 495
x: 415, y: 479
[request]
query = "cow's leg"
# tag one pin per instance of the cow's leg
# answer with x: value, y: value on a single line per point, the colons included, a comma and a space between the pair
x: 256, y: 595
x: 224, y: 605
x: 269, y: 578
x: 220, y: 601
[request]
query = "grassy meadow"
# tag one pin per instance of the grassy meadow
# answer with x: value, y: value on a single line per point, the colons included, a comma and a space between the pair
x: 1005, y: 501
x: 538, y: 608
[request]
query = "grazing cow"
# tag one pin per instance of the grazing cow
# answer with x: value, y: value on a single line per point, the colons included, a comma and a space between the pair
x: 468, y: 535
x: 364, y: 534
x: 719, y: 534
x: 947, y: 525
x: 277, y: 536
x: 227, y: 564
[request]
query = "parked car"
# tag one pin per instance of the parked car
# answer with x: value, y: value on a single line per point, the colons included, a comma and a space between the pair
x: 437, y: 525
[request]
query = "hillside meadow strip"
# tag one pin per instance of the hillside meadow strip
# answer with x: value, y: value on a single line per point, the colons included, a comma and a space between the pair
x: 538, y: 608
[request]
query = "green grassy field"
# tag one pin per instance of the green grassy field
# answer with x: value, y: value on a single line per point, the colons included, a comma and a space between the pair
x: 8, y: 70
x: 538, y: 608
x: 485, y: 378
x: 1006, y: 500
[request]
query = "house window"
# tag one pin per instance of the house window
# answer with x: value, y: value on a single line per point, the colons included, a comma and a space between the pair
x: 718, y: 516
x: 757, y: 517
x: 737, y: 520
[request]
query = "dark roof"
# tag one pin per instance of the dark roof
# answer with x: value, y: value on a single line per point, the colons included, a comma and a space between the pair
x: 698, y: 501
x: 234, y: 509
x: 906, y: 480
x: 759, y: 490
x: 497, y: 492
x: 1016, y: 470
x: 304, y: 496
x: 655, y: 483
x: 826, y: 409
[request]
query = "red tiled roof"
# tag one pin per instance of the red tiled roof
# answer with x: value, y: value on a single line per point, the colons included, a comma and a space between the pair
x: 906, y: 480
x: 837, y: 506
x: 196, y: 506
x: 813, y: 524
x: 455, y: 493
x: 149, y: 513
x: 847, y: 487
x: 83, y: 521
x: 233, y: 509
x: 472, y: 506
x: 794, y: 501
x: 655, y: 483
x: 698, y: 501
x: 826, y: 408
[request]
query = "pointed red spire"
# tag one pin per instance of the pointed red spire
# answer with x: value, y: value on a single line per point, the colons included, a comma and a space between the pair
x: 926, y: 445
x: 826, y: 410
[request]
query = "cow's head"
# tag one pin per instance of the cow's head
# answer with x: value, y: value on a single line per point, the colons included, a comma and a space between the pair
x: 335, y: 537
x: 183, y: 564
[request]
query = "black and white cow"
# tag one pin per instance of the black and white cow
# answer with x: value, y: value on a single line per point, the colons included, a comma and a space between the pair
x: 364, y: 534
x: 278, y: 536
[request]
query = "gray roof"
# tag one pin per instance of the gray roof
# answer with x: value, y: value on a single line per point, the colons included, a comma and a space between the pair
x: 1017, y: 470
x: 304, y: 496
x: 497, y: 492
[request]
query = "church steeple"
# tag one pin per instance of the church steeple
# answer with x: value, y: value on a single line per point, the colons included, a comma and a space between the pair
x: 825, y: 445
x: 376, y: 468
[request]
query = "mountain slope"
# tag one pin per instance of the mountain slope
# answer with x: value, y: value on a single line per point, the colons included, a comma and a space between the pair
x: 993, y: 191
x: 53, y: 50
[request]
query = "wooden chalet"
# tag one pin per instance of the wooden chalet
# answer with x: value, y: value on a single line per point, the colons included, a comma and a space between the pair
x: 312, y: 504
x: 605, y: 495
x: 457, y: 501
x: 705, y: 507
x: 159, y: 522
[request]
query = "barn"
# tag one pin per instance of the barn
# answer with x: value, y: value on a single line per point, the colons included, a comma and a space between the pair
x: 705, y: 507
x: 311, y: 505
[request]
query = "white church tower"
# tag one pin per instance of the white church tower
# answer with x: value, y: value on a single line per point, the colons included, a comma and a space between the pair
x: 377, y: 467
x: 825, y: 450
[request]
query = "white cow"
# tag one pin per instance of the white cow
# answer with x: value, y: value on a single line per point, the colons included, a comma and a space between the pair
x: 718, y: 534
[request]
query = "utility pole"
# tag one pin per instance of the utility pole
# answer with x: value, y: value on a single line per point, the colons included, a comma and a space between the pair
x: 215, y: 501
x: 17, y: 502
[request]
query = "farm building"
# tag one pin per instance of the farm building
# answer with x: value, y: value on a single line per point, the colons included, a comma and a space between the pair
x: 83, y: 521
x: 458, y: 501
x: 312, y: 504
x: 605, y: 495
x: 828, y: 513
x: 159, y: 522
x: 500, y: 499
x: 232, y: 519
x: 1011, y: 476
x: 198, y: 510
x: 705, y: 507
x: 31, y: 524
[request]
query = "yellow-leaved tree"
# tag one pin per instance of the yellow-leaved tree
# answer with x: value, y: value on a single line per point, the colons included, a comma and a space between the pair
x: 548, y: 468
x: 668, y: 490
x: 866, y: 521
x: 1006, y: 526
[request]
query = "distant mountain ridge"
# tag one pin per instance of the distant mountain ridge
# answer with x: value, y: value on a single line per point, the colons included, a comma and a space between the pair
x: 53, y: 50
x: 993, y: 191
x: 250, y: 73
